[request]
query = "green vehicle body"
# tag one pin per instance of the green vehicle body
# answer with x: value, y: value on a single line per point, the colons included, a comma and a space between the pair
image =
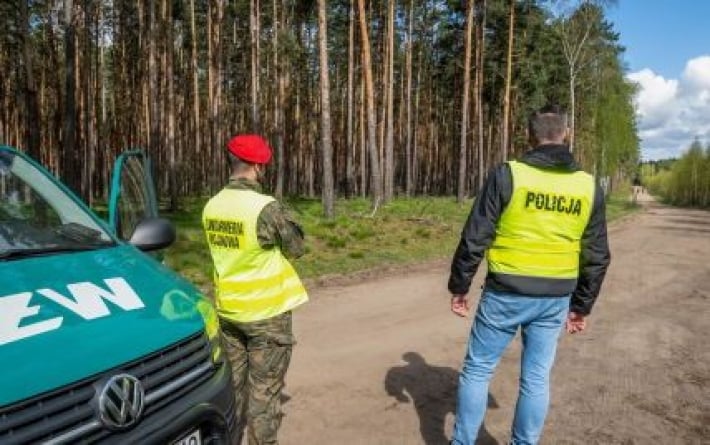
x: 76, y: 317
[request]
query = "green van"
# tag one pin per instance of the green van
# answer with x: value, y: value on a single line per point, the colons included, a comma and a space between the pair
x: 99, y: 342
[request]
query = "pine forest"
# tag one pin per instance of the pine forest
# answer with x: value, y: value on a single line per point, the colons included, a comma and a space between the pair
x: 378, y: 98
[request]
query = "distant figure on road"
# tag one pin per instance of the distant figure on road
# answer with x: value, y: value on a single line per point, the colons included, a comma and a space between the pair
x: 250, y: 236
x: 637, y: 189
x: 541, y: 223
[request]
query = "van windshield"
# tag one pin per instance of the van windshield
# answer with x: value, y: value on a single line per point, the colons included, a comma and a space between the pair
x: 38, y: 217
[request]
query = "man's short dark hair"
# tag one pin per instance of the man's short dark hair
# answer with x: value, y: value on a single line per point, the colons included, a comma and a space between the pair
x: 237, y: 165
x: 549, y: 123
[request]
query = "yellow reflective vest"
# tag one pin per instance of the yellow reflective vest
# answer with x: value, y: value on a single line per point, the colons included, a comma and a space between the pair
x: 539, y: 232
x: 251, y: 283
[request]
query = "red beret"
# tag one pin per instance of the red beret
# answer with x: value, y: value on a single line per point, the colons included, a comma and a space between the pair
x: 250, y: 148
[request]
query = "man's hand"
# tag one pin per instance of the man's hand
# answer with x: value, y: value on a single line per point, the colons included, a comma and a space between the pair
x: 575, y: 322
x: 459, y: 305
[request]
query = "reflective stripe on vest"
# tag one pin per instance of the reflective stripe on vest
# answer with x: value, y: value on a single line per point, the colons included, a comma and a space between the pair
x: 539, y: 232
x: 251, y: 283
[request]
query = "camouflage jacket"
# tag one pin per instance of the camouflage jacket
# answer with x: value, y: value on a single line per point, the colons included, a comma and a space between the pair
x: 274, y: 227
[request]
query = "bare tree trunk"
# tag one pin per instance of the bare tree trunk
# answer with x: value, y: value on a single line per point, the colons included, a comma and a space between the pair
x: 415, y: 141
x: 326, y: 142
x: 463, y: 150
x: 31, y: 105
x: 572, y: 106
x: 195, y: 89
x: 573, y: 48
x: 408, y: 94
x: 153, y: 94
x: 349, y: 144
x: 278, y: 104
x: 88, y: 109
x: 255, y: 70
x: 505, y: 139
x: 480, y: 47
x: 216, y: 13
x: 371, y: 125
x: 69, y: 174
x: 389, y: 138
x: 170, y: 136
x: 363, y: 139
x: 56, y: 115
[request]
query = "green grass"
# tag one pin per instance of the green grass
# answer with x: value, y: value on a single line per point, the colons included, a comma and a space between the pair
x: 403, y: 231
x: 619, y: 204
x: 407, y: 230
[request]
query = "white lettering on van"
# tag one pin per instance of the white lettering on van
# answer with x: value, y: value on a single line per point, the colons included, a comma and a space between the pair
x: 87, y: 301
x: 13, y: 308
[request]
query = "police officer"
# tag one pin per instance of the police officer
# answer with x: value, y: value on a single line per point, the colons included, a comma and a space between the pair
x: 541, y: 223
x: 250, y: 237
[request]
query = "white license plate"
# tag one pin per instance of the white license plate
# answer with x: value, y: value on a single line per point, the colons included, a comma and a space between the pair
x: 194, y: 438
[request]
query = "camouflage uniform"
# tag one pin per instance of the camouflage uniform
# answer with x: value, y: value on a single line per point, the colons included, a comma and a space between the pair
x: 260, y: 351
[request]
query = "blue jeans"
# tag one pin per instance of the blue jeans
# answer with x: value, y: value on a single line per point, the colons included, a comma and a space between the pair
x: 497, y: 320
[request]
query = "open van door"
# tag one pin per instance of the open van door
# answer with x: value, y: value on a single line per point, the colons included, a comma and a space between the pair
x: 133, y: 206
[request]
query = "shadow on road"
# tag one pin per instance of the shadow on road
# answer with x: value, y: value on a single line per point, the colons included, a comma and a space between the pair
x: 433, y: 391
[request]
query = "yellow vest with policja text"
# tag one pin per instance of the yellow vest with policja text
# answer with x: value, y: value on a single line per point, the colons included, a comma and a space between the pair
x: 539, y: 233
x: 251, y: 283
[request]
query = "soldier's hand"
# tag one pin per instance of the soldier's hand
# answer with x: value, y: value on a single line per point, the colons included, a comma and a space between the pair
x: 459, y: 305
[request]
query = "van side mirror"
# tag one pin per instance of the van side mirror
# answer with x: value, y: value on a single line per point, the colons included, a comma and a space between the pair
x: 153, y: 234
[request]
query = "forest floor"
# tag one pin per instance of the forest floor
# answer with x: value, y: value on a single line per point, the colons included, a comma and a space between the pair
x: 640, y: 374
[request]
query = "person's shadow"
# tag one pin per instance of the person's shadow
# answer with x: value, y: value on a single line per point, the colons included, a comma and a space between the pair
x: 433, y: 391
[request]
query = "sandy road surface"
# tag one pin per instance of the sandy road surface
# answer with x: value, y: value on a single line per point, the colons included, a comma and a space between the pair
x: 377, y: 360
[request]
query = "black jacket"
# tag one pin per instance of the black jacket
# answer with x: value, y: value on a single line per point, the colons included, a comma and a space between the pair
x: 479, y: 231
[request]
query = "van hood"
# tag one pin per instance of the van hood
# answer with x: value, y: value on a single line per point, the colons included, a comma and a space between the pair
x: 67, y: 317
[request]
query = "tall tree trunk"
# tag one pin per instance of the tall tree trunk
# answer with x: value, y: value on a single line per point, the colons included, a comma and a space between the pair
x: 408, y: 99
x: 349, y: 144
x: 255, y: 70
x: 56, y: 115
x: 463, y: 149
x: 480, y: 49
x: 505, y: 139
x: 153, y: 93
x: 69, y: 173
x: 389, y: 138
x: 573, y: 48
x: 170, y: 135
x: 278, y: 128
x: 89, y: 129
x: 31, y: 105
x: 216, y: 14
x: 195, y: 90
x: 370, y: 98
x: 326, y: 142
x: 572, y: 106
x: 415, y: 136
x: 363, y: 137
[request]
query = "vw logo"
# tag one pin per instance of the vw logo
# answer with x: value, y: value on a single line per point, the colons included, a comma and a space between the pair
x: 121, y: 401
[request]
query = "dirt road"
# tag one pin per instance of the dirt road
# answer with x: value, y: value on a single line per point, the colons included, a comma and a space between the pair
x: 377, y: 360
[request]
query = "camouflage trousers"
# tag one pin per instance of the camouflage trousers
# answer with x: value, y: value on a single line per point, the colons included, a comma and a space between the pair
x: 259, y: 353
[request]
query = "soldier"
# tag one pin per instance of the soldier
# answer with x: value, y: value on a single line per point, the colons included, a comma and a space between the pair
x: 250, y: 237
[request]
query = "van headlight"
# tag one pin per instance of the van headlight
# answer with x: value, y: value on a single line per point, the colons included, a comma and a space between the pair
x: 209, y: 315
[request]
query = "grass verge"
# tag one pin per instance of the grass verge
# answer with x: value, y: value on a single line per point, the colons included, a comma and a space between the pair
x: 619, y: 204
x: 407, y: 230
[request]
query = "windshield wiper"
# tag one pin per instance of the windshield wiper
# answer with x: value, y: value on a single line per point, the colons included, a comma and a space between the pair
x: 14, y: 254
x: 78, y: 233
